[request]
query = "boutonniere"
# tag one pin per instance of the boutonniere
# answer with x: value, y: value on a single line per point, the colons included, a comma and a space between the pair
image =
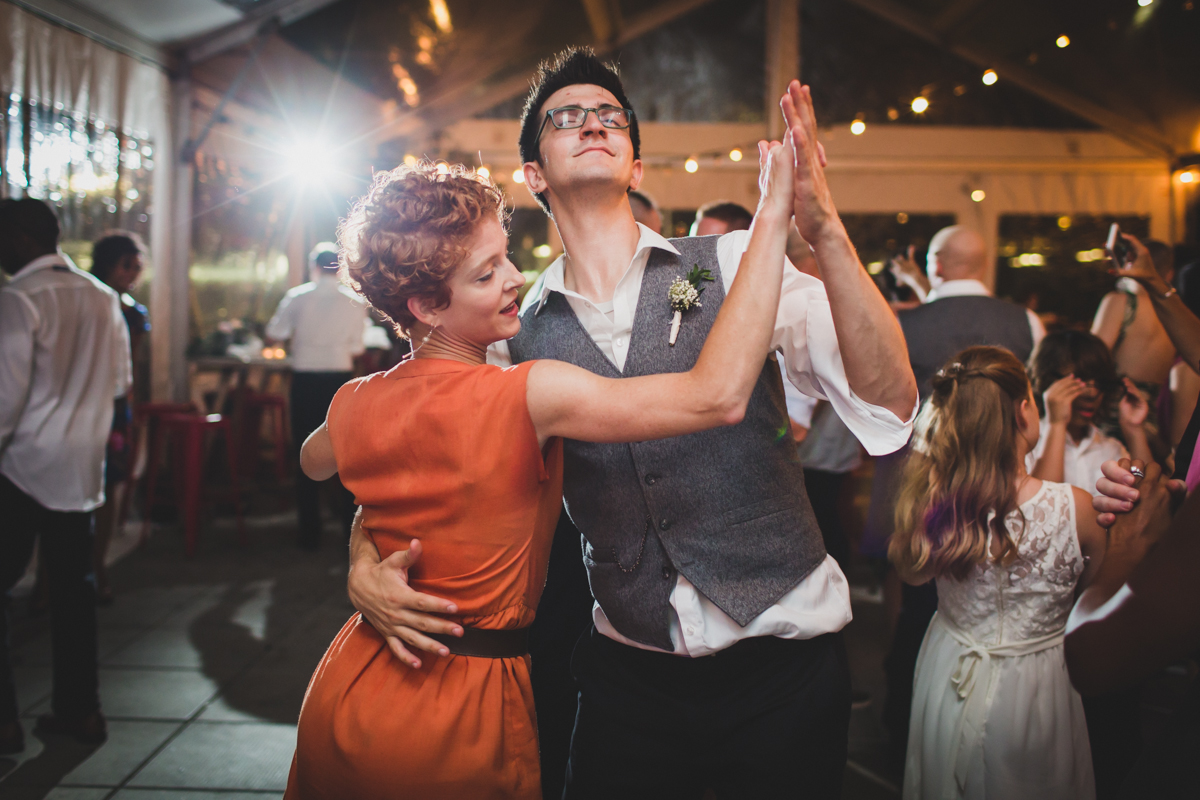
x: 684, y: 295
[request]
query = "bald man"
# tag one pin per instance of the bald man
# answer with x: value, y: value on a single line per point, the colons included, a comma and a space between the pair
x: 959, y: 312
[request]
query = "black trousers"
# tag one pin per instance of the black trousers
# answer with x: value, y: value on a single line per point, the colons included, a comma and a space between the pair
x: 312, y: 392
x: 918, y: 604
x: 825, y: 496
x: 66, y: 549
x: 767, y: 717
x: 564, y: 614
x: 1114, y: 723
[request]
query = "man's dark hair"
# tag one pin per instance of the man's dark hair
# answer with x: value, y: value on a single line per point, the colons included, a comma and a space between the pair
x: 575, y: 65
x: 737, y: 217
x: 31, y: 217
x: 641, y: 197
x: 110, y: 248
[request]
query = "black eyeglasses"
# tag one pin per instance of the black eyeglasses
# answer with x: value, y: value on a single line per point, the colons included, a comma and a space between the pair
x: 576, y: 116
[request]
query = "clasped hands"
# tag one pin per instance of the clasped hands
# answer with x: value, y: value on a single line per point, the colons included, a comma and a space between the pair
x: 1133, y: 508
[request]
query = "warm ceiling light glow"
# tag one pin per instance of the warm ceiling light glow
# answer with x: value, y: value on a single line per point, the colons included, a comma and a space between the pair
x: 1064, y: 223
x: 1187, y: 177
x: 518, y: 176
x: 691, y: 165
x: 857, y: 127
x: 735, y: 155
x: 978, y: 195
x: 1063, y: 40
x: 542, y: 251
x: 443, y: 168
x: 919, y: 104
x: 990, y: 77
x: 484, y: 172
x: 410, y: 160
x: 1144, y: 3
x: 441, y: 15
x: 310, y: 160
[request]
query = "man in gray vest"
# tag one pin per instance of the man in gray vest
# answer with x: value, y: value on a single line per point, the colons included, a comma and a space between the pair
x: 715, y: 658
x: 959, y: 312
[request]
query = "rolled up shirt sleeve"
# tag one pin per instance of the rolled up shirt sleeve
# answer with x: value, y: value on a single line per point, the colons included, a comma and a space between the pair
x: 282, y: 324
x: 18, y: 324
x: 806, y: 338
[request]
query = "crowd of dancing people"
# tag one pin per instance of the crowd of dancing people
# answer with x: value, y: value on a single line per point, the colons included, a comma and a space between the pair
x: 598, y: 555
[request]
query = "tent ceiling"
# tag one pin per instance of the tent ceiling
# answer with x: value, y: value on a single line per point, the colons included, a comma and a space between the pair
x: 162, y: 21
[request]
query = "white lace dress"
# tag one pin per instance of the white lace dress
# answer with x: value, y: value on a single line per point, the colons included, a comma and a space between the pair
x: 994, y: 714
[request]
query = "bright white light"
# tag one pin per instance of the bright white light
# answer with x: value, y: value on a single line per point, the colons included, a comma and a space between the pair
x: 410, y: 160
x: 990, y: 77
x: 1088, y: 256
x: 1029, y: 260
x: 309, y: 161
x: 518, y: 176
x: 691, y: 165
x: 919, y: 105
x: 542, y: 251
x: 1187, y: 177
x: 1144, y: 3
x: 735, y: 154
x: 483, y: 172
x: 978, y: 195
x: 857, y: 127
x: 1063, y: 40
x: 443, y: 168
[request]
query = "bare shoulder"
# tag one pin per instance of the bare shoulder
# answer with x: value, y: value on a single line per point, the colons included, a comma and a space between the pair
x: 1091, y: 535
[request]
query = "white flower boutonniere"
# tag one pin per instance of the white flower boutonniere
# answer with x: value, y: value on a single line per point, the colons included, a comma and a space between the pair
x: 684, y: 295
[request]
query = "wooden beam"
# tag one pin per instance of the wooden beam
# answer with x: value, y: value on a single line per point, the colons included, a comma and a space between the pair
x: 279, y: 12
x: 783, y: 59
x: 956, y: 15
x: 1140, y: 134
x: 604, y: 17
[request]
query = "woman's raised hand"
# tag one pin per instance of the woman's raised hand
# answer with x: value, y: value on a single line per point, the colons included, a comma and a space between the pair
x: 1134, y: 407
x: 776, y: 174
x: 1059, y: 398
x: 814, y: 208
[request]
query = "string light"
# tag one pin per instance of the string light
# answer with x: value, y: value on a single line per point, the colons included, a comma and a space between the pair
x: 978, y: 195
x: 919, y: 105
x: 1063, y: 40
x: 483, y: 172
x: 443, y: 168
x: 735, y: 154
x: 857, y: 127
x: 990, y: 77
x: 1187, y: 177
x: 410, y: 160
x: 691, y: 165
x: 518, y: 176
x: 1144, y: 3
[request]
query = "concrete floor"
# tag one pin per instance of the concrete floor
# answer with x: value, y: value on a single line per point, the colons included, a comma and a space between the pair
x: 204, y: 663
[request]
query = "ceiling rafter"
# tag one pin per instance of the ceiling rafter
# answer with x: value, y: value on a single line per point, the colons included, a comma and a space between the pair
x: 272, y: 12
x: 1141, y: 135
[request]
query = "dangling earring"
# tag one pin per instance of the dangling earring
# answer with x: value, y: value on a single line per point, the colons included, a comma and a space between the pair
x: 424, y: 341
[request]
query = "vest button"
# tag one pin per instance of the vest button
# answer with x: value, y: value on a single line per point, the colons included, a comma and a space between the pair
x: 664, y: 524
x: 666, y: 573
x: 651, y: 479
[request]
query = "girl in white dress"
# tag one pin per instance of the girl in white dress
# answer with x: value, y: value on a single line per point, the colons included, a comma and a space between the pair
x: 994, y: 715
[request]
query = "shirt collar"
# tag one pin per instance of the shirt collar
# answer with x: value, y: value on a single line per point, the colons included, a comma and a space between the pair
x: 554, y: 281
x: 963, y: 287
x: 42, y: 263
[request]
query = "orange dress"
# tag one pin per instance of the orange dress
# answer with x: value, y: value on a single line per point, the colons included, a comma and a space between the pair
x: 444, y: 452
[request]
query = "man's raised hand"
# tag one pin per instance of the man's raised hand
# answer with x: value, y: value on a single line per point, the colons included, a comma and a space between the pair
x: 814, y: 209
x: 776, y: 176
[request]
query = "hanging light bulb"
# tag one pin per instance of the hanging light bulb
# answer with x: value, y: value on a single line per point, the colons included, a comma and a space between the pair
x: 857, y: 127
x: 919, y: 105
x: 483, y: 172
x: 518, y: 176
x: 735, y: 154
x: 1063, y: 40
x: 990, y: 77
x: 691, y: 165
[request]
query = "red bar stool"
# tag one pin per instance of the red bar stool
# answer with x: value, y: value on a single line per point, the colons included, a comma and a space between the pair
x: 144, y: 429
x: 273, y: 408
x: 190, y: 432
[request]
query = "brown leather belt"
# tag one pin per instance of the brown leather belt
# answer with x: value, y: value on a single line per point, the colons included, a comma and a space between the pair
x: 481, y: 643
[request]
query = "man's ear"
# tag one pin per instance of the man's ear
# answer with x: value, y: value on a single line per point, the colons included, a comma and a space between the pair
x: 638, y: 174
x: 420, y: 307
x: 533, y: 177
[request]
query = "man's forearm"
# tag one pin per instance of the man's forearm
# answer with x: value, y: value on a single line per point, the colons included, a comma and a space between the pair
x: 869, y: 336
x: 1181, y: 325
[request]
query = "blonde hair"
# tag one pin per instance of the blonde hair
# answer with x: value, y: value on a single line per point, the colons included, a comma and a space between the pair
x: 960, y: 482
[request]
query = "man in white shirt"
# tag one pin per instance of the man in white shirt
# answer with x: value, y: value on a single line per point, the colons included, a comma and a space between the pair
x: 64, y: 358
x: 325, y: 322
x: 777, y: 689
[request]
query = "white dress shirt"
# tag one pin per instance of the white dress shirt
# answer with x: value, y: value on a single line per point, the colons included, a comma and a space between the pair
x: 1081, y: 461
x: 325, y: 322
x: 969, y: 287
x: 805, y: 337
x: 64, y: 356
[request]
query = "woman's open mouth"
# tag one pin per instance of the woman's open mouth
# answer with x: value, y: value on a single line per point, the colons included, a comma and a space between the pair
x: 509, y: 310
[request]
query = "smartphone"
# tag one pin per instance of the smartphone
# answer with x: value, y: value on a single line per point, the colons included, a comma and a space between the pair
x: 1117, y: 248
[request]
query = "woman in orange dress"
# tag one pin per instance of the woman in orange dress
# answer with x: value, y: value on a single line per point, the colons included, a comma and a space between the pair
x: 467, y: 458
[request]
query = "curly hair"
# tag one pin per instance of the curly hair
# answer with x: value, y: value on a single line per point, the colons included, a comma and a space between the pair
x: 408, y: 234
x: 960, y: 483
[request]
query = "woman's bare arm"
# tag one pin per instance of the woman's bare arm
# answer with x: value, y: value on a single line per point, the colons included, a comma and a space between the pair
x: 565, y: 400
x: 316, y: 456
x: 1107, y: 323
x: 1142, y: 611
x: 1182, y: 326
x: 1092, y: 538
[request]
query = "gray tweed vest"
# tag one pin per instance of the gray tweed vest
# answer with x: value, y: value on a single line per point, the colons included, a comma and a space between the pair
x: 725, y: 508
